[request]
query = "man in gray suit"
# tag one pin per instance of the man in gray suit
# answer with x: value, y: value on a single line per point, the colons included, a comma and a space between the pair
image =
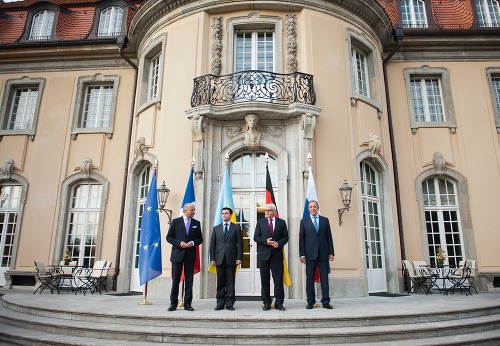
x: 226, y: 252
x: 315, y: 249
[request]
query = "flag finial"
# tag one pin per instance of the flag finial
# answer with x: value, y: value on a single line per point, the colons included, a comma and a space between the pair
x: 192, y: 162
x: 226, y: 158
x: 267, y: 158
x: 309, y: 158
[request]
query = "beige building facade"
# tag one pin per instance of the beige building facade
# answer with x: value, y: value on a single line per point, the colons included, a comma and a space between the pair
x: 405, y: 110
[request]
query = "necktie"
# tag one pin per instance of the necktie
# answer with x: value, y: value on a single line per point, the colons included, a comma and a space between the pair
x: 225, y: 231
x: 316, y: 224
x: 271, y: 228
x: 188, y: 224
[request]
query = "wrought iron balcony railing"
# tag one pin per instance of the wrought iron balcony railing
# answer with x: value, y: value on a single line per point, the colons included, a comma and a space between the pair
x: 253, y: 85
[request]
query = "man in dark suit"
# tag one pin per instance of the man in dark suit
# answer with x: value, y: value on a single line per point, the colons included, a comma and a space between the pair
x: 226, y: 252
x: 271, y: 235
x: 316, y: 248
x: 184, y: 234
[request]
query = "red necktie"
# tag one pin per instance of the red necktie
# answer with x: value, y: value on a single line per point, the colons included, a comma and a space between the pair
x: 271, y: 228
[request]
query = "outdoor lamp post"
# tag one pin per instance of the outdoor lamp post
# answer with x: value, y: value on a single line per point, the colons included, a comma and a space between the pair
x: 345, y: 194
x: 163, y: 192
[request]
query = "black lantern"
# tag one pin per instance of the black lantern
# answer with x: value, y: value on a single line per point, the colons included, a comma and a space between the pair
x: 345, y: 194
x: 163, y: 192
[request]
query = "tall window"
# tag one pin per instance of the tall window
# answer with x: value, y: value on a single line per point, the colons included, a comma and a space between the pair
x: 83, y: 222
x: 254, y: 51
x: 22, y: 109
x: 154, y: 72
x: 42, y: 25
x: 10, y: 196
x: 110, y: 21
x: 360, y: 72
x: 97, y: 106
x: 442, y: 219
x: 495, y: 82
x: 427, y: 100
x: 413, y: 13
x: 488, y: 12
x: 144, y: 180
x: 371, y: 217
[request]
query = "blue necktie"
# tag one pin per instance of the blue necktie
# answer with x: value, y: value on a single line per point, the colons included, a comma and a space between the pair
x: 225, y: 231
x: 316, y: 224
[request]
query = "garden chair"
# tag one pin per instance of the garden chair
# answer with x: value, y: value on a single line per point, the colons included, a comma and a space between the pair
x: 48, y: 277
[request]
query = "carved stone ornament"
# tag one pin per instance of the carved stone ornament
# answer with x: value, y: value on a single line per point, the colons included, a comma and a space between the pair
x: 439, y: 163
x: 291, y: 43
x: 140, y: 148
x: 375, y: 145
x: 197, y: 127
x: 252, y: 133
x: 216, y: 45
x: 86, y: 167
x: 7, y: 168
x: 308, y: 125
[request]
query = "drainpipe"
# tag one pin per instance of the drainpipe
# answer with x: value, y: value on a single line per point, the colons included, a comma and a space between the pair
x: 398, y: 36
x: 122, y: 44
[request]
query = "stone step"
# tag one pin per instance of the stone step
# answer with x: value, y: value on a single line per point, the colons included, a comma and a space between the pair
x: 230, y: 335
x: 247, y: 317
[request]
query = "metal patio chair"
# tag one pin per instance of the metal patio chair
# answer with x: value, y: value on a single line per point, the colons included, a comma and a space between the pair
x: 89, y: 278
x: 471, y: 264
x: 459, y: 278
x: 418, y: 278
x: 48, y: 277
x: 427, y: 270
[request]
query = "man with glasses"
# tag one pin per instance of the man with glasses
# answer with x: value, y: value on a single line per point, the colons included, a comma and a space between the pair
x: 271, y: 235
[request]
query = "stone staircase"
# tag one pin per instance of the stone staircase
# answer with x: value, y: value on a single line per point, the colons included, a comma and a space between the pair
x: 25, y: 322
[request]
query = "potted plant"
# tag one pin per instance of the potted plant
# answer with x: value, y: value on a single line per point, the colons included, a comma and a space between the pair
x: 67, y: 257
x: 440, y: 257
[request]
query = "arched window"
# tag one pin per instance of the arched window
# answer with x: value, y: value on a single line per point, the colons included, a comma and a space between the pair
x: 488, y: 12
x: 83, y: 222
x: 42, y: 25
x: 442, y: 219
x: 413, y: 13
x: 10, y: 196
x: 142, y: 194
x: 110, y: 21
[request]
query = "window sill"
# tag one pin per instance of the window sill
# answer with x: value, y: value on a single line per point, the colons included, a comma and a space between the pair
x: 447, y: 124
x: 362, y: 98
x: 107, y: 131
x: 29, y: 133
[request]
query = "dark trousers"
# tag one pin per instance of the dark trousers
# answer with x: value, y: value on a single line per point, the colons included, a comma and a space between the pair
x: 188, y: 282
x: 225, y: 284
x: 323, y: 274
x: 276, y: 268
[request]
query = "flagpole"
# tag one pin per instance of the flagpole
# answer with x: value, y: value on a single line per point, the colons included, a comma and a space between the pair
x: 145, y: 301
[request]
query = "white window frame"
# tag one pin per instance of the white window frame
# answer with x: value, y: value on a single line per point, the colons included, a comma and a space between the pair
x: 9, y: 205
x: 254, y: 22
x: 84, y: 83
x: 412, y: 6
x: 425, y: 95
x: 6, y: 109
x: 359, y: 63
x: 101, y: 102
x: 151, y: 83
x: 359, y: 44
x: 488, y: 13
x: 42, y: 25
x: 440, y: 209
x: 443, y: 75
x: 493, y: 76
x: 254, y: 51
x: 111, y: 22
x: 87, y: 212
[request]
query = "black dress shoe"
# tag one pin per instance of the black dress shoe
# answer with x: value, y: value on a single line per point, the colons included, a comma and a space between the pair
x: 230, y: 307
x: 188, y: 308
x: 266, y: 307
x: 172, y: 308
x: 327, y: 306
x: 219, y: 307
x: 309, y: 306
x: 279, y: 307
